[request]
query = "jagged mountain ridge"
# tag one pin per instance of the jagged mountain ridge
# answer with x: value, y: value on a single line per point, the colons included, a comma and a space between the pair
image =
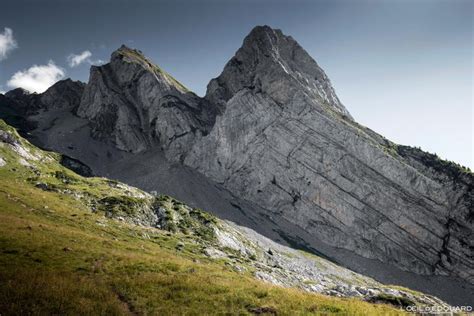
x: 275, y: 143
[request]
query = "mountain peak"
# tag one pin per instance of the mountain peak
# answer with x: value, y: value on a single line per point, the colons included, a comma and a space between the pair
x: 63, y: 94
x: 130, y: 55
x: 124, y: 47
x: 263, y: 34
x: 17, y: 93
x: 275, y: 64
x: 135, y: 56
x: 265, y: 40
x: 125, y: 50
x: 260, y: 30
x: 137, y: 105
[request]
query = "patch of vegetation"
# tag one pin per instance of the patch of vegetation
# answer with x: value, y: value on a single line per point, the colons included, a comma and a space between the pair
x: 65, y: 177
x: 309, y: 282
x: 392, y: 300
x: 390, y: 147
x: 433, y: 161
x: 202, y: 216
x: 187, y: 220
x: 451, y: 168
x: 121, y: 205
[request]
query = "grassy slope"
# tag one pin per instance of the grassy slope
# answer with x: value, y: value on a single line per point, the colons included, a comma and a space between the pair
x: 58, y: 257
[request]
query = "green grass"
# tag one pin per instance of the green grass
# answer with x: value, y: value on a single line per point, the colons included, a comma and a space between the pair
x: 120, y: 205
x: 59, y: 256
x: 435, y: 162
x: 186, y: 220
x: 394, y: 300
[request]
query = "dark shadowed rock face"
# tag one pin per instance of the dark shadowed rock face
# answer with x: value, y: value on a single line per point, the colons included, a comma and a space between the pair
x: 65, y: 94
x: 21, y: 101
x: 136, y: 105
x: 76, y: 166
x: 18, y: 106
x: 272, y: 146
x: 12, y: 111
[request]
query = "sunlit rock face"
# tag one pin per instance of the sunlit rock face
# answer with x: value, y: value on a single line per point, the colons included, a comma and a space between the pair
x: 136, y: 105
x: 286, y: 143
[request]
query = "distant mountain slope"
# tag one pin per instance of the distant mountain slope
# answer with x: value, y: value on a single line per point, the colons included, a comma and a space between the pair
x: 118, y: 249
x: 272, y: 148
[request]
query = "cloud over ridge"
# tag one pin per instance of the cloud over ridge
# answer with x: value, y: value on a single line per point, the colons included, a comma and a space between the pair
x: 37, y: 78
x: 75, y: 60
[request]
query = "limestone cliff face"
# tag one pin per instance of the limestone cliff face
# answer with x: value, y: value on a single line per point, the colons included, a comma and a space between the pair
x: 285, y: 142
x: 136, y: 105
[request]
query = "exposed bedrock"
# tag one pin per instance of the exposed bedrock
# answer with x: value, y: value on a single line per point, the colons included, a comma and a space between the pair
x: 288, y: 145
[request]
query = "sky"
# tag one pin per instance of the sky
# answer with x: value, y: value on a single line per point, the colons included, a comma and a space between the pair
x: 403, y: 68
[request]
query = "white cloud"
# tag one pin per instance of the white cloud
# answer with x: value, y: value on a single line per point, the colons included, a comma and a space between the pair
x: 7, y: 43
x: 75, y: 60
x: 37, y: 78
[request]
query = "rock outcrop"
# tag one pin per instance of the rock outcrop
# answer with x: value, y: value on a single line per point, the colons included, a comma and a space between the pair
x: 137, y: 105
x: 64, y: 94
x: 286, y: 143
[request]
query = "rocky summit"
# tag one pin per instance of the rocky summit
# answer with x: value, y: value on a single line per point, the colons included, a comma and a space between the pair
x: 136, y: 105
x: 270, y: 147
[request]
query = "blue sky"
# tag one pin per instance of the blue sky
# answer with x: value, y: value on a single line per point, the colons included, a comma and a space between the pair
x: 403, y: 68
